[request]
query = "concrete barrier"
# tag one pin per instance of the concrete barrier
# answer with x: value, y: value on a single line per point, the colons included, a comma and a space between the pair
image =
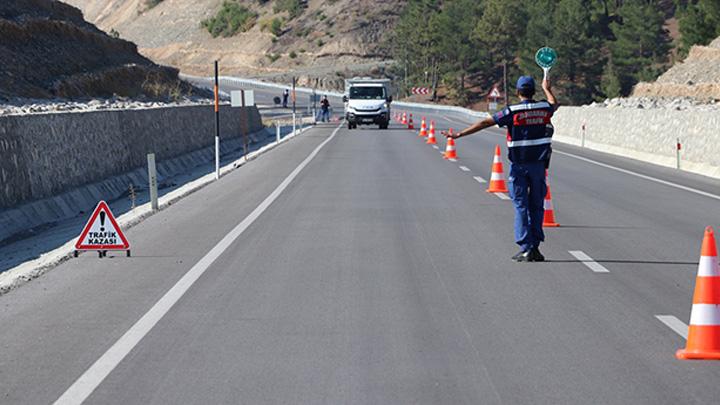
x: 646, y: 134
x: 56, y: 165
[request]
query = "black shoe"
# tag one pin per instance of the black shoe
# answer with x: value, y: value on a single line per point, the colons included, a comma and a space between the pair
x: 535, y: 256
x: 518, y: 256
x: 532, y: 255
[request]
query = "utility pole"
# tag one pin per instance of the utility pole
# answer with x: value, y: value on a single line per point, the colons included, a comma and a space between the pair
x: 217, y: 124
x: 293, y: 101
x: 505, y: 82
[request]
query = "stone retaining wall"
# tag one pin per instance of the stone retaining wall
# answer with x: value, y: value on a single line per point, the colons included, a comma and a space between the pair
x: 43, y: 155
x: 646, y: 134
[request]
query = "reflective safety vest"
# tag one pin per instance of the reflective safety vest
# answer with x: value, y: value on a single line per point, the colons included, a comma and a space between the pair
x: 529, y: 131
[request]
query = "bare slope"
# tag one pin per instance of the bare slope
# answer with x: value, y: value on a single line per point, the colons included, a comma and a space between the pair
x: 328, y: 34
x: 698, y: 76
x: 48, y: 50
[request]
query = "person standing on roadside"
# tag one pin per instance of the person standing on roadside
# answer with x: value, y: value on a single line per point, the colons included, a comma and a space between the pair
x: 286, y: 94
x: 529, y: 137
x: 325, y: 109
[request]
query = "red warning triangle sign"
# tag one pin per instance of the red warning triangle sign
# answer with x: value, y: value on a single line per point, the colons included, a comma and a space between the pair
x: 495, y: 93
x: 102, y: 232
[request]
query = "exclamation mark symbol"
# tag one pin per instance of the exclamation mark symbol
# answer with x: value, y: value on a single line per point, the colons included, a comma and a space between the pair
x: 102, y: 221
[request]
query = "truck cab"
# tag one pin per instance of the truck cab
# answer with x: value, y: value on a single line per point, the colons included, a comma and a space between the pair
x: 367, y: 102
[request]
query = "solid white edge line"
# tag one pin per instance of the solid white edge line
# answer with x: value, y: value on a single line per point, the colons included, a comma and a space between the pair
x: 480, y: 179
x: 642, y: 176
x: 84, y: 386
x: 675, y: 324
x: 502, y: 196
x: 588, y: 261
x: 463, y: 168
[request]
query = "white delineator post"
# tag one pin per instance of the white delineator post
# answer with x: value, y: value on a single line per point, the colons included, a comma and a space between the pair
x: 294, y: 124
x: 152, y: 179
x: 277, y: 132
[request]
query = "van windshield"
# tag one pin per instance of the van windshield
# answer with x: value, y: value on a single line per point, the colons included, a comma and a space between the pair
x: 367, y: 93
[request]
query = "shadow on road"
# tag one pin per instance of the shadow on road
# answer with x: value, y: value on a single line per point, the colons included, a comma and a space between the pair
x: 622, y: 261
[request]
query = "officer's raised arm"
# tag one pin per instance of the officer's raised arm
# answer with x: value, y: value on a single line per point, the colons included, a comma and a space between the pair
x: 547, y: 88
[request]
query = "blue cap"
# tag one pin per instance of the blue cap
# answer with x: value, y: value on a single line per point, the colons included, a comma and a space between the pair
x: 525, y: 82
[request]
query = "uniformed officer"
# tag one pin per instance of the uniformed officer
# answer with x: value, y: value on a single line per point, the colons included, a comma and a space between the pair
x: 529, y: 135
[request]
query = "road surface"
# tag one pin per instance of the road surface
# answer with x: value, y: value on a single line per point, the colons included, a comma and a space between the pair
x: 359, y: 267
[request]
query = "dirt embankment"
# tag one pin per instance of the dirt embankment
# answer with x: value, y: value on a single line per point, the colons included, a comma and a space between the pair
x: 325, y: 40
x: 698, y: 76
x: 49, y: 51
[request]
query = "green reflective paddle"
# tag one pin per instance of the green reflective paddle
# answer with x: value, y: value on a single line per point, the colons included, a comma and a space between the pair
x: 545, y: 58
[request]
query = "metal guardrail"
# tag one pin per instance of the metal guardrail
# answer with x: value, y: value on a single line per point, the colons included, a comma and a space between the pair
x: 257, y: 84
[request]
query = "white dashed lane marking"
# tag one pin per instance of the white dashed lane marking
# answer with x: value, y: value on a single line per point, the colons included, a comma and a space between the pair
x: 480, y: 179
x: 675, y: 324
x: 465, y: 169
x: 502, y: 196
x: 588, y: 261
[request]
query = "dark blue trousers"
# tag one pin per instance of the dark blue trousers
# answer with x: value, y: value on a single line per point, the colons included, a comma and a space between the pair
x: 527, y: 189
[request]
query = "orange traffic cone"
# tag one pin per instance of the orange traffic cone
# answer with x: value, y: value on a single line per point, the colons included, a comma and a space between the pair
x: 404, y: 119
x: 703, y: 341
x: 549, y: 218
x: 423, y: 128
x: 431, y: 138
x: 410, y: 123
x: 497, y: 178
x: 450, y: 153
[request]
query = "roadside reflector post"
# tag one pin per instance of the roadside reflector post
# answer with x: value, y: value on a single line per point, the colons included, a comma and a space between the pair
x: 217, y: 124
x: 152, y: 180
x: 294, y: 124
x: 678, y: 146
x: 582, y: 139
x: 241, y: 99
x: 277, y: 132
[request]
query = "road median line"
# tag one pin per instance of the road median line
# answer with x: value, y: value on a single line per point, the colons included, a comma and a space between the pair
x: 588, y: 261
x: 642, y: 176
x: 675, y: 324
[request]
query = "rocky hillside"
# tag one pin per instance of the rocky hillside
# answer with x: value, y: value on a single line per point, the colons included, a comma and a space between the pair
x: 698, y: 76
x: 327, y: 35
x: 47, y: 50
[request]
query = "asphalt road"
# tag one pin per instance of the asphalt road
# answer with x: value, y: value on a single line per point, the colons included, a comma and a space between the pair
x: 378, y: 273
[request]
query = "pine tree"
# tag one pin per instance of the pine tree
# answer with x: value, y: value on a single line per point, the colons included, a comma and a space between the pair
x: 699, y: 24
x: 641, y: 49
x: 610, y: 83
x: 459, y: 53
x: 500, y: 31
x: 538, y: 33
x: 579, y: 68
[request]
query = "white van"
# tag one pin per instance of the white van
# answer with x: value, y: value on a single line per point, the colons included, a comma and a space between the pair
x: 367, y: 102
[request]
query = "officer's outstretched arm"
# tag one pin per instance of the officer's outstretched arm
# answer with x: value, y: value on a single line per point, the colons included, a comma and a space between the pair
x: 478, y: 126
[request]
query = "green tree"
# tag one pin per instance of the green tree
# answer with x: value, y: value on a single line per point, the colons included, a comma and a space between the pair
x: 641, y: 49
x: 231, y: 19
x: 456, y: 52
x: 610, y: 83
x: 580, y: 67
x: 414, y: 42
x: 699, y: 24
x: 501, y: 28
